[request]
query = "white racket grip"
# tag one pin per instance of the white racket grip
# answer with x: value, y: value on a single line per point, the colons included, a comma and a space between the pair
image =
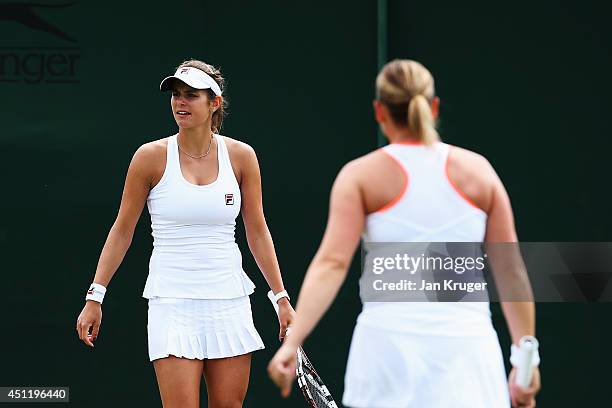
x: 525, y: 357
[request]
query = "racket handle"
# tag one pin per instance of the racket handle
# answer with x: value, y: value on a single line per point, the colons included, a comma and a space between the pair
x: 525, y: 355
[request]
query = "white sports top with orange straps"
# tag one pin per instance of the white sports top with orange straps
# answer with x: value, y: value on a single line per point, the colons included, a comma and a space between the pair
x: 429, y: 209
x: 195, y: 254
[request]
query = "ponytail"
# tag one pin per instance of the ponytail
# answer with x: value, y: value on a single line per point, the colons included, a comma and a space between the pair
x: 420, y: 120
x: 407, y: 88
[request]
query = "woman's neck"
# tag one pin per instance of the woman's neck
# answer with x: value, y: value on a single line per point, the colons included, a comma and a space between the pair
x: 400, y: 135
x: 195, y: 140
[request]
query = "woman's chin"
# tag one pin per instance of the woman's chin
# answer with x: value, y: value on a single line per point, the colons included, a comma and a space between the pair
x: 185, y: 125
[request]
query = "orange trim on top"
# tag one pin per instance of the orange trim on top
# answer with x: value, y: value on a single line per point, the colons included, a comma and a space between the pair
x: 397, y: 198
x: 454, y: 186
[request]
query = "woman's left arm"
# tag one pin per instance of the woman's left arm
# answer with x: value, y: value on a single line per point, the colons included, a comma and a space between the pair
x: 257, y: 232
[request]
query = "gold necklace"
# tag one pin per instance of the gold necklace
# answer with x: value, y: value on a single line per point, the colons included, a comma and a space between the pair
x: 196, y: 157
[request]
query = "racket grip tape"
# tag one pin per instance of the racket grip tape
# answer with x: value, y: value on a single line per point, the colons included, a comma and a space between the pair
x: 525, y: 357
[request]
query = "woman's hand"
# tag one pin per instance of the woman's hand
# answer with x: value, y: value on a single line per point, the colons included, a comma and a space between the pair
x: 524, y: 398
x: 281, y: 368
x: 286, y: 316
x: 89, y: 321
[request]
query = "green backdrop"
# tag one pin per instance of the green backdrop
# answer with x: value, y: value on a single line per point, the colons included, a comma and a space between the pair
x: 527, y: 85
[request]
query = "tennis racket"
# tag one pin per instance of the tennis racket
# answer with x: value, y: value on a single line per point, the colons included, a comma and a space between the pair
x: 315, y: 392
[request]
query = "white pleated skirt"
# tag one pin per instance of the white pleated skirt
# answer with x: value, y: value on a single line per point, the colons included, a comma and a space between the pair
x: 201, y: 328
x: 388, y: 369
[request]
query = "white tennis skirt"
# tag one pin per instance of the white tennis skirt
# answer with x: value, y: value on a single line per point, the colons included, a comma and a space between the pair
x: 201, y: 328
x: 388, y: 369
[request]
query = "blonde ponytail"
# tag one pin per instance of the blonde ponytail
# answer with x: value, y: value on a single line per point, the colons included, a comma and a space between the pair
x: 406, y: 86
x: 420, y: 120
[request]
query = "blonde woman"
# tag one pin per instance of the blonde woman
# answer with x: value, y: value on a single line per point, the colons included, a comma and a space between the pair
x: 195, y: 184
x: 409, y: 354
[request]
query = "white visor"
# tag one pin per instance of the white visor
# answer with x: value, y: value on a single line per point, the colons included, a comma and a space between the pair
x: 193, y: 77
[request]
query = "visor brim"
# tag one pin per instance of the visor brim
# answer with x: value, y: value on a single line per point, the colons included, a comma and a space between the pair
x: 167, y: 83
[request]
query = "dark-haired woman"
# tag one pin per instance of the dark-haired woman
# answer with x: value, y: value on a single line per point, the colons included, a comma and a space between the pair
x: 195, y: 183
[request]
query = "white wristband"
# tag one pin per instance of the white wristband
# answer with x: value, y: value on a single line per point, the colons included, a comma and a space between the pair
x: 278, y: 296
x: 96, y: 293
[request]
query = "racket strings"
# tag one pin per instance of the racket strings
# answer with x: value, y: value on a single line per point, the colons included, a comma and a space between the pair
x: 319, y: 393
x: 312, y: 386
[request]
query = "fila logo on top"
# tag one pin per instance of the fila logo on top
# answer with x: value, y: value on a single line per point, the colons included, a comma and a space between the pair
x: 229, y: 199
x: 184, y: 71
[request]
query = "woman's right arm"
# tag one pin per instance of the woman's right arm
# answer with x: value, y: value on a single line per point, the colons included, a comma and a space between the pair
x: 135, y: 192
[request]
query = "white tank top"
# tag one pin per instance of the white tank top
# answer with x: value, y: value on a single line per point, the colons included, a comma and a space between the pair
x: 195, y: 254
x: 429, y: 209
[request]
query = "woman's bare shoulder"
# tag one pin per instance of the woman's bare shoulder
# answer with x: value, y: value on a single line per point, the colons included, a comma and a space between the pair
x: 238, y: 147
x: 473, y: 175
x: 154, y: 147
x: 368, y: 165
x: 149, y: 160
x: 241, y: 153
x: 151, y: 152
x: 468, y: 163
